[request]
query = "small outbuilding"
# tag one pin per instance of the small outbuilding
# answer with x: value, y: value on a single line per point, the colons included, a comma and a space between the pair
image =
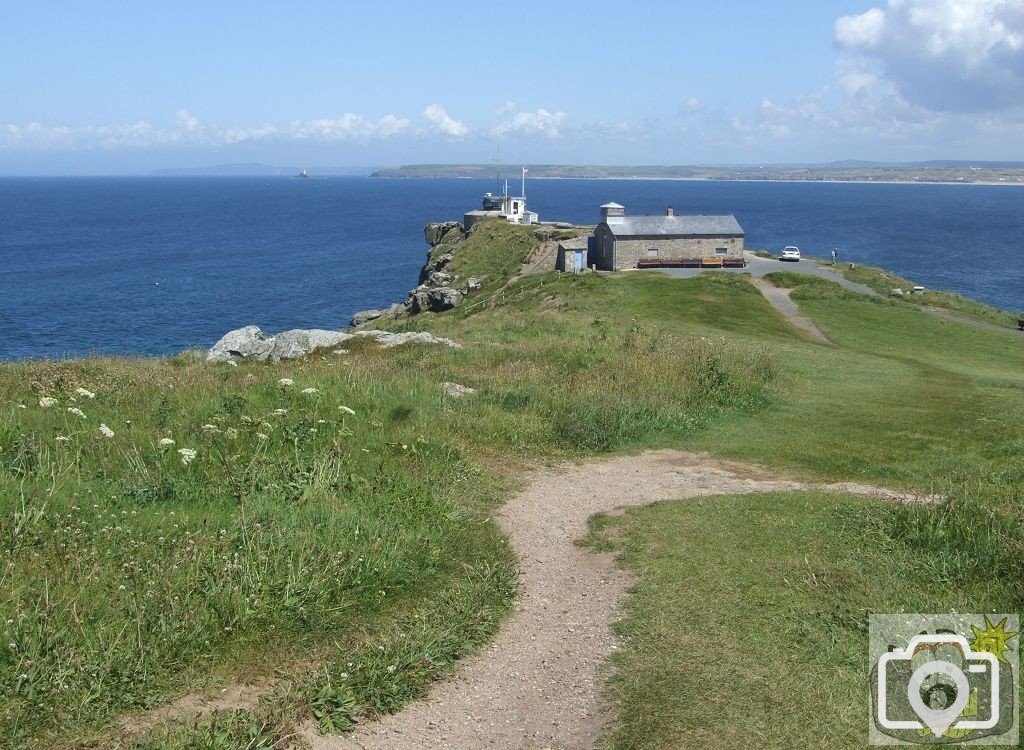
x: 510, y: 208
x: 572, y: 255
x: 622, y: 241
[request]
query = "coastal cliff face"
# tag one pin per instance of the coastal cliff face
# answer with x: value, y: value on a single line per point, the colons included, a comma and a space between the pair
x: 462, y: 263
x: 439, y: 288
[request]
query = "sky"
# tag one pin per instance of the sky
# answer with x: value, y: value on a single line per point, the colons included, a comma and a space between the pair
x: 110, y: 87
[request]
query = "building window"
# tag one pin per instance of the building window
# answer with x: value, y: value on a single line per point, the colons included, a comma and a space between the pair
x: 721, y: 251
x: 652, y: 252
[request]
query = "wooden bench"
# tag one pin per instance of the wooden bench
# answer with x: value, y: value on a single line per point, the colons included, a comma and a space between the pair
x: 711, y: 263
x: 668, y: 263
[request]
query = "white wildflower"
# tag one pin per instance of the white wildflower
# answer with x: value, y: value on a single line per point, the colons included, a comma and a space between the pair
x: 346, y: 410
x: 46, y: 402
x: 232, y: 363
x: 310, y: 391
x: 106, y: 431
x: 166, y: 442
x: 261, y: 436
x: 232, y: 433
x: 210, y: 428
x: 187, y: 456
x: 285, y: 382
x: 63, y: 439
x: 76, y: 411
x: 22, y: 406
x: 280, y: 412
x: 84, y: 393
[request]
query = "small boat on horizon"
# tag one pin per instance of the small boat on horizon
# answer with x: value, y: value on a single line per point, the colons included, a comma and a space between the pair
x: 303, y: 175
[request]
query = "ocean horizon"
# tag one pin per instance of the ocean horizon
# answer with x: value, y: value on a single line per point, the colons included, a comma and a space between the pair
x: 157, y: 265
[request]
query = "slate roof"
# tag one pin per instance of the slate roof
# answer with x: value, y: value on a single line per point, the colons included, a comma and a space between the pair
x: 696, y: 225
x: 576, y: 243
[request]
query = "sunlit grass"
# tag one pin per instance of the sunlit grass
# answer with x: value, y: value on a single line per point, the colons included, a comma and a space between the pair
x: 324, y: 525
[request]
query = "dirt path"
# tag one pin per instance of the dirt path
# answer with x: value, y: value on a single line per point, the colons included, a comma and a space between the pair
x: 537, y: 684
x: 980, y: 324
x: 780, y: 300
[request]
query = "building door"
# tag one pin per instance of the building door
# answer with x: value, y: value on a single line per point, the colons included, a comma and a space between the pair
x: 579, y: 260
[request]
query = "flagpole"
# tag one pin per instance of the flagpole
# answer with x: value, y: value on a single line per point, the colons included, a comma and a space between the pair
x: 524, y: 182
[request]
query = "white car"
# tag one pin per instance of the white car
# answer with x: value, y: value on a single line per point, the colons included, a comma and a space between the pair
x: 790, y: 253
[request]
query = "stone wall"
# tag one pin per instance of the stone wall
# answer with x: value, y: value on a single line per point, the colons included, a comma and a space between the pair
x: 629, y: 251
x: 603, y: 241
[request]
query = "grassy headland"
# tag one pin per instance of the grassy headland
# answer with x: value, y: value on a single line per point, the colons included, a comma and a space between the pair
x: 331, y: 535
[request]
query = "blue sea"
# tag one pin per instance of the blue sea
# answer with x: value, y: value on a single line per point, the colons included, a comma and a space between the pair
x: 154, y: 266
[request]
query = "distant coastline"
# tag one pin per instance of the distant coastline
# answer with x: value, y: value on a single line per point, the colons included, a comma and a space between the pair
x: 924, y: 173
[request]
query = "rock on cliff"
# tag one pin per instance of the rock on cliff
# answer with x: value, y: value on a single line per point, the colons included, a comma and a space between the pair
x: 250, y: 343
x: 435, y: 232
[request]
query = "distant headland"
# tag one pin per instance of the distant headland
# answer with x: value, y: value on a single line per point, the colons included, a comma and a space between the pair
x: 1002, y: 172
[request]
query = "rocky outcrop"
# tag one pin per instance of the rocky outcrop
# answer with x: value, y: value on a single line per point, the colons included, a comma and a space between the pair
x: 387, y: 339
x: 456, y: 391
x: 436, y: 232
x: 437, y: 299
x: 250, y: 343
x: 365, y: 316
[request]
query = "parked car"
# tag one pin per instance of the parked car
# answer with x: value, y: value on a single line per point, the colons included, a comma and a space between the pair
x: 790, y: 253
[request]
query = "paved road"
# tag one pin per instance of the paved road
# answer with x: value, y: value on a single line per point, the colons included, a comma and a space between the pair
x: 758, y: 267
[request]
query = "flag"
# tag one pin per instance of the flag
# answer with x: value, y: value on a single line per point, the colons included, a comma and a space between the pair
x: 525, y: 170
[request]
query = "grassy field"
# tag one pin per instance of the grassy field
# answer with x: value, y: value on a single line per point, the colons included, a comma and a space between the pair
x: 883, y: 282
x: 773, y: 591
x: 748, y: 627
x: 322, y: 527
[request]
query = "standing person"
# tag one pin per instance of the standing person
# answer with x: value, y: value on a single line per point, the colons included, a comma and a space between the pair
x: 835, y: 255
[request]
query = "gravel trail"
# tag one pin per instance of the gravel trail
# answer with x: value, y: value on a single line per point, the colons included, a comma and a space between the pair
x: 537, y: 685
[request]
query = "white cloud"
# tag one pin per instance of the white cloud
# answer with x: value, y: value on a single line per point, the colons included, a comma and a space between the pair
x: 188, y: 130
x: 945, y: 55
x: 186, y: 121
x: 390, y: 125
x: 692, y: 105
x: 507, y: 108
x: 854, y: 78
x: 863, y: 31
x: 444, y: 123
x: 348, y: 127
x: 540, y: 122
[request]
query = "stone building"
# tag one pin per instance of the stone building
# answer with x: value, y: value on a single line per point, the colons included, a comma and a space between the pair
x: 622, y: 241
x: 572, y: 255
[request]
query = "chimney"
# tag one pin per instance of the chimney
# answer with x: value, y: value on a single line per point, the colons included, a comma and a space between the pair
x: 612, y: 213
x: 669, y: 211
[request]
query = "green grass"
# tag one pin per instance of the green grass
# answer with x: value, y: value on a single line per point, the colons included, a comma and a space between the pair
x: 131, y: 573
x: 748, y: 625
x: 301, y: 534
x: 883, y: 282
x: 347, y: 559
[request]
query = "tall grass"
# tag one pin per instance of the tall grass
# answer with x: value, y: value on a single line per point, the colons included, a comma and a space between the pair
x: 130, y: 567
x: 323, y: 525
x: 191, y: 523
